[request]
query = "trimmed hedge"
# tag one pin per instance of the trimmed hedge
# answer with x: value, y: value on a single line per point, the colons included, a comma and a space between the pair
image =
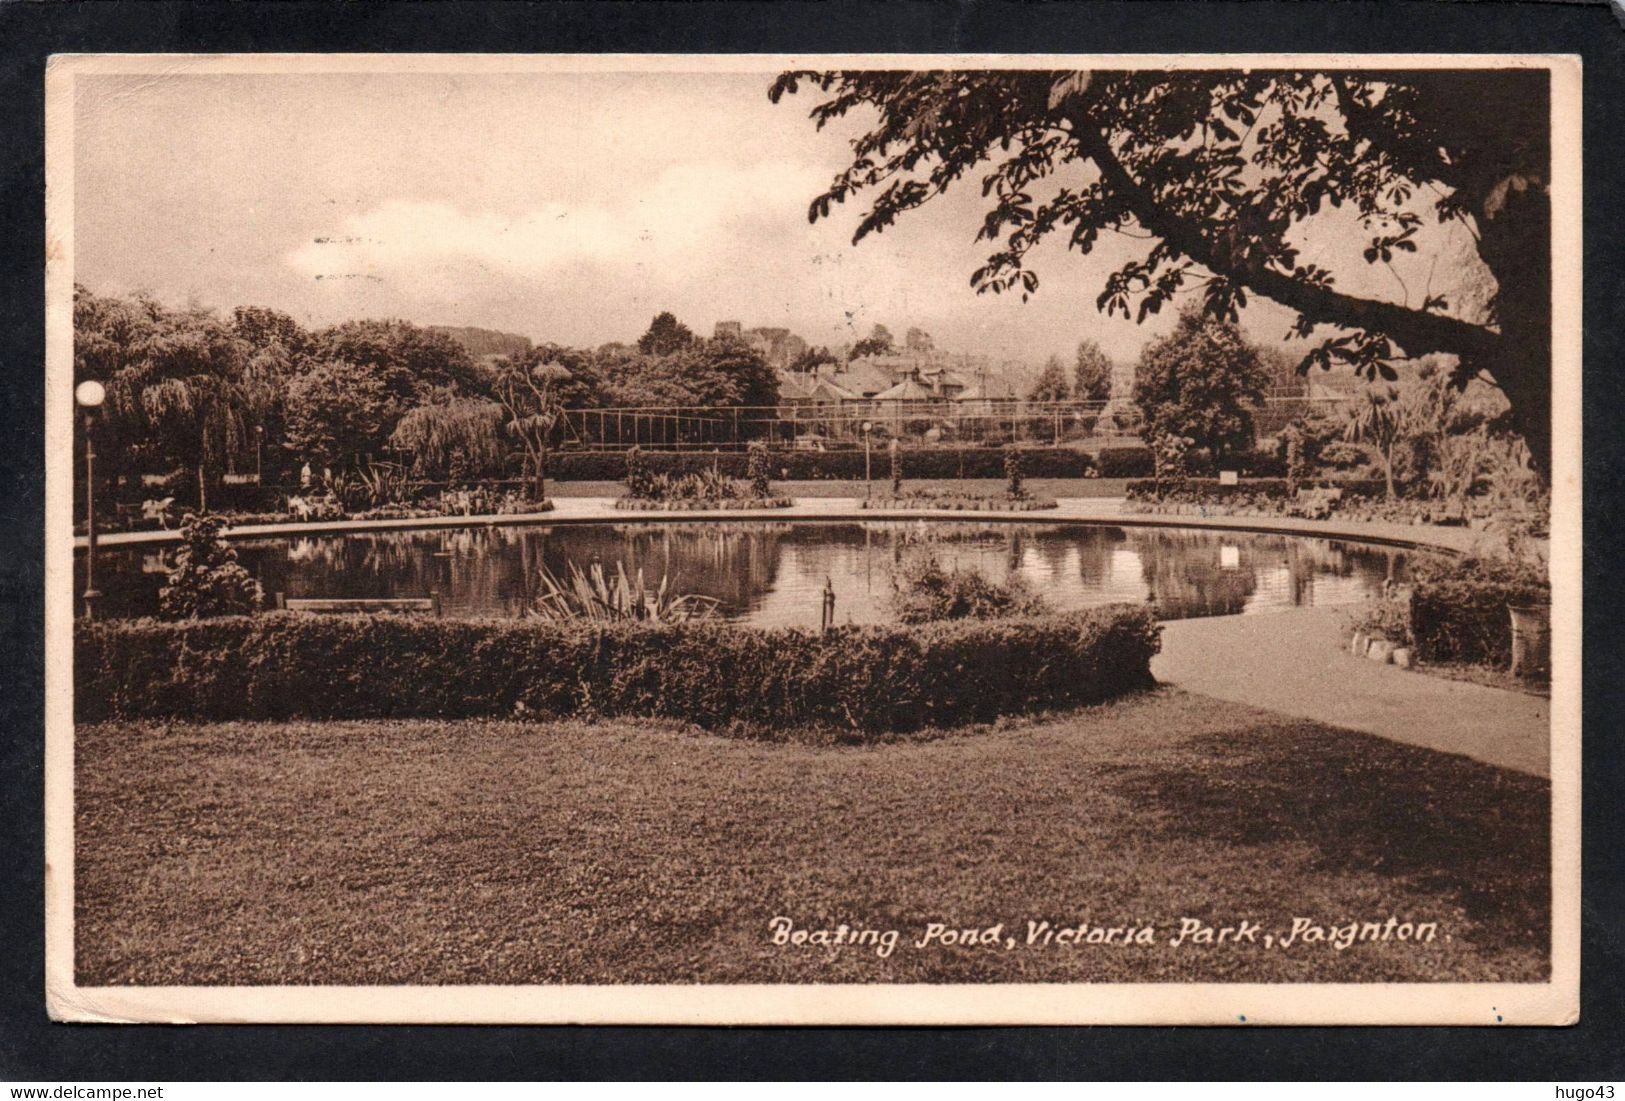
x: 870, y: 678
x: 1125, y: 462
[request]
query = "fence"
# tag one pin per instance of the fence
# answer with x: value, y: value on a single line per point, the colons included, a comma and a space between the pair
x: 1092, y: 424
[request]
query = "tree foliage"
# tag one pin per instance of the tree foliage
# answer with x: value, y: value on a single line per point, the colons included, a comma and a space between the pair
x: 204, y: 578
x: 1223, y: 173
x: 1091, y: 373
x: 812, y: 359
x: 665, y: 335
x: 879, y: 342
x: 339, y: 412
x: 414, y: 364
x: 460, y: 435
x: 1200, y: 382
x: 1376, y: 423
x: 531, y: 399
x: 1051, y: 382
x: 180, y: 388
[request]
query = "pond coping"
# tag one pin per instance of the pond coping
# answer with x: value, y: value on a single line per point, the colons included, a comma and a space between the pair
x: 1103, y: 511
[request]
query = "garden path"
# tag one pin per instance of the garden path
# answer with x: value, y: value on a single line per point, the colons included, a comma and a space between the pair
x: 1296, y: 663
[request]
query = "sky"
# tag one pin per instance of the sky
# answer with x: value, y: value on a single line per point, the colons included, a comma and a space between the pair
x: 568, y: 207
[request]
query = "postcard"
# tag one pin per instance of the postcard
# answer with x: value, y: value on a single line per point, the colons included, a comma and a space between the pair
x: 861, y: 539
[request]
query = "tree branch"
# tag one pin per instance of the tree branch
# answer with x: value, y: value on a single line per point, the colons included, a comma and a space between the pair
x: 1414, y: 330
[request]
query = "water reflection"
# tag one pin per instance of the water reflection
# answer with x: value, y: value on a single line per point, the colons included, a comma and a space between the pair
x: 773, y: 573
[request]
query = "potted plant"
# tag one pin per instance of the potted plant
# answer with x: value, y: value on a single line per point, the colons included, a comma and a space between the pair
x: 1530, y: 606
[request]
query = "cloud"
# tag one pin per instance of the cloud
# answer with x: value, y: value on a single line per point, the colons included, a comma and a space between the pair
x: 688, y: 215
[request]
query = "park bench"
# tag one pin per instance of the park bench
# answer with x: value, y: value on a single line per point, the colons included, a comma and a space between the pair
x: 430, y: 604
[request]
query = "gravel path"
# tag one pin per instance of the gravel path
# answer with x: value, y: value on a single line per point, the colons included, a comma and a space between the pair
x: 1295, y: 663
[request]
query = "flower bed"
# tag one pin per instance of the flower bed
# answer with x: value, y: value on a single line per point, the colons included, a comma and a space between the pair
x: 508, y: 504
x: 864, y: 679
x: 846, y: 463
x: 959, y: 502
x: 698, y: 504
x: 1351, y: 499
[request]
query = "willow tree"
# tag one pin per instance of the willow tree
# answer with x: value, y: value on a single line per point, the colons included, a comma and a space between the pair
x: 439, y: 435
x: 532, y: 403
x: 1224, y: 175
x: 179, y: 381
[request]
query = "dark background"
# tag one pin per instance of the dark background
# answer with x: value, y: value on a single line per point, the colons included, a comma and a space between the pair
x: 32, y: 1048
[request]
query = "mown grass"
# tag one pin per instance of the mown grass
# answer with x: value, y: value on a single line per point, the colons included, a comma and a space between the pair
x: 509, y: 852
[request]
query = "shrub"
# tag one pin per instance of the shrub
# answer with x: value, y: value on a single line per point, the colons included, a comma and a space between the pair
x: 1200, y: 489
x: 1297, y: 463
x: 204, y: 579
x: 707, y: 488
x: 958, y: 502
x: 639, y: 480
x: 1171, y: 455
x: 759, y: 471
x: 592, y: 596
x: 870, y: 678
x: 1458, y: 609
x: 924, y: 592
x: 1014, y: 466
x: 1386, y: 619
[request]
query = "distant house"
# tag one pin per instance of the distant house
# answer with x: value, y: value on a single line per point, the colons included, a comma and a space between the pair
x: 798, y: 389
x: 912, y: 388
x: 945, y: 383
x: 987, y: 394
x: 862, y: 378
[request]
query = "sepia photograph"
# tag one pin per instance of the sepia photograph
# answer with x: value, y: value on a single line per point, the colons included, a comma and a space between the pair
x: 857, y: 539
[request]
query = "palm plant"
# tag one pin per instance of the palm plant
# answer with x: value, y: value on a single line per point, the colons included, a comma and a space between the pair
x: 1376, y: 424
x: 593, y: 596
x: 532, y: 403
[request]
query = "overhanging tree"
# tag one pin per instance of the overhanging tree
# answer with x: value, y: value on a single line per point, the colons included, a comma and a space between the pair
x: 1223, y: 173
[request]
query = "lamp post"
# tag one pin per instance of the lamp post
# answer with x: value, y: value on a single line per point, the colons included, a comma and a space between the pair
x: 866, y: 427
x: 259, y: 454
x: 89, y: 394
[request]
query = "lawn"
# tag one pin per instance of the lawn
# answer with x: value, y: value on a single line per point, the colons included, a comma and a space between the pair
x: 512, y: 852
x: 991, y: 487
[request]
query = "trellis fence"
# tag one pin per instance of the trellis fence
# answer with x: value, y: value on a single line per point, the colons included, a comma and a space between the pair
x: 919, y: 421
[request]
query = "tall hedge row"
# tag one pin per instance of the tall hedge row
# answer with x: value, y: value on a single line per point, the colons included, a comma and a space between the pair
x: 874, y: 678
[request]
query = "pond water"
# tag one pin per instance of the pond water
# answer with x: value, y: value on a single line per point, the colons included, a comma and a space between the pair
x: 772, y: 574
